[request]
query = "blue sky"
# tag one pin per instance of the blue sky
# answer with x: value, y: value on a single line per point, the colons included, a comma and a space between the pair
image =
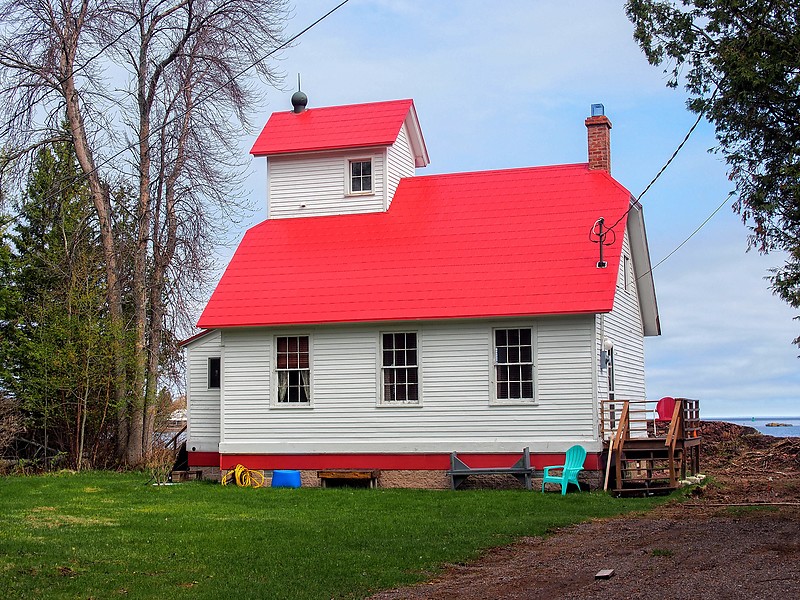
x: 500, y: 85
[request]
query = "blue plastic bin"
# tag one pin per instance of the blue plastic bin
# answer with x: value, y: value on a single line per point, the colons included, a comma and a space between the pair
x: 285, y: 478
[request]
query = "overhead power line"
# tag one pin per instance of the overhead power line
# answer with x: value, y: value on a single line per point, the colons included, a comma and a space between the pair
x: 690, y: 236
x: 637, y: 202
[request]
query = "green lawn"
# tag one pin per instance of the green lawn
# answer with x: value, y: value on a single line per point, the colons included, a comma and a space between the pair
x: 108, y: 535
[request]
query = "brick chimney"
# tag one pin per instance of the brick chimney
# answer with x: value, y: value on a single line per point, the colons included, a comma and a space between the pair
x: 599, y: 133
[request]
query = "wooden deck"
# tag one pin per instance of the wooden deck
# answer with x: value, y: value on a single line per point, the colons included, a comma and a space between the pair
x: 648, y: 453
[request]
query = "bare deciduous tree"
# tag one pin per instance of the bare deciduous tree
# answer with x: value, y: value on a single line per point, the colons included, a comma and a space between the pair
x: 153, y: 94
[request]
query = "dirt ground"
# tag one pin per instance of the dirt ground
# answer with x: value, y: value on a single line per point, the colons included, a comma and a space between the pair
x: 707, y: 546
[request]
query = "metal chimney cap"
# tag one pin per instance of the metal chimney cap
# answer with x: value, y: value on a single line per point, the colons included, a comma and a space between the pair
x: 598, y: 110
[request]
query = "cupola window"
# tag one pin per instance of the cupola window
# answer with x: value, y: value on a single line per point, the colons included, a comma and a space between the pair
x: 361, y: 176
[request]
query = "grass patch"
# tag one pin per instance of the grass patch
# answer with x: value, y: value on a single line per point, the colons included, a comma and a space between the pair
x: 743, y: 511
x: 661, y: 552
x: 105, y: 535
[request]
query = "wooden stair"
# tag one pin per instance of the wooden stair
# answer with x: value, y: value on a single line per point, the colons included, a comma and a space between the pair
x: 648, y: 462
x: 647, y: 466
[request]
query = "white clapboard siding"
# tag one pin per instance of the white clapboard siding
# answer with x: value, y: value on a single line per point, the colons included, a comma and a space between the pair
x: 203, y: 404
x: 400, y: 162
x: 623, y: 325
x: 456, y: 411
x: 315, y: 184
x: 247, y: 380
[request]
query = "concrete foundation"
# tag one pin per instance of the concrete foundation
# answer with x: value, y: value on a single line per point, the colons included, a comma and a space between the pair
x: 430, y: 480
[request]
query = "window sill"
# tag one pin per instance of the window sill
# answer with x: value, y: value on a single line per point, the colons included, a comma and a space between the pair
x: 352, y: 194
x: 513, y: 402
x: 296, y: 406
x: 399, y: 405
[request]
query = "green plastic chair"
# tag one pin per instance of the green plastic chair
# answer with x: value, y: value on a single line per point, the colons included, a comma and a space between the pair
x: 569, y: 470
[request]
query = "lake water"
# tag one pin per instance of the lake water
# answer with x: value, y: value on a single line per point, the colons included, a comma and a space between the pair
x: 760, y: 423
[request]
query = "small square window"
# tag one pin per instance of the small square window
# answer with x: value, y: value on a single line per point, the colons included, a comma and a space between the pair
x: 214, y: 373
x: 360, y: 174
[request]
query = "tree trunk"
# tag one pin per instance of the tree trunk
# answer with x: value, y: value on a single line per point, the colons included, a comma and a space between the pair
x: 101, y: 199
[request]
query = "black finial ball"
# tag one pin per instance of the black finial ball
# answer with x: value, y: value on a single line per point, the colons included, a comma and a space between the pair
x: 299, y: 101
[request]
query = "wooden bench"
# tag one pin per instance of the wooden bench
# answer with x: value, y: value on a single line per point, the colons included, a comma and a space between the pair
x: 190, y: 475
x: 521, y: 469
x: 349, y: 475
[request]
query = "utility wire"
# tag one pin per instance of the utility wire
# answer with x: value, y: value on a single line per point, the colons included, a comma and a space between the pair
x: 691, y: 235
x: 231, y: 79
x: 637, y: 202
x: 674, y: 154
x: 200, y: 100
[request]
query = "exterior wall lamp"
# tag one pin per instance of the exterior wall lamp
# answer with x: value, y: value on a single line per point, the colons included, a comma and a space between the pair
x: 608, y: 345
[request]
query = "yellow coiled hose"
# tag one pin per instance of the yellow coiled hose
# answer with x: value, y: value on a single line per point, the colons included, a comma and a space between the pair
x: 244, y: 477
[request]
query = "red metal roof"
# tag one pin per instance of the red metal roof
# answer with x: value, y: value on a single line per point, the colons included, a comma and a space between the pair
x: 485, y: 244
x: 332, y: 127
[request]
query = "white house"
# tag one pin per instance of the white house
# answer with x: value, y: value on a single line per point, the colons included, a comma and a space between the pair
x: 382, y: 320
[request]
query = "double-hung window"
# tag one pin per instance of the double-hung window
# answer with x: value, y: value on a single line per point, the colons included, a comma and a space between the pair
x: 513, y: 364
x: 360, y: 176
x: 400, y: 368
x: 293, y: 370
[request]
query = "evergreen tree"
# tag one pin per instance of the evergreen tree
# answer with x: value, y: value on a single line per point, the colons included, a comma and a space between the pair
x: 60, y: 368
x: 740, y: 62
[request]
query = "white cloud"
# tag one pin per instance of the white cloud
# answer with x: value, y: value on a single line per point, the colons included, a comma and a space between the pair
x: 726, y: 339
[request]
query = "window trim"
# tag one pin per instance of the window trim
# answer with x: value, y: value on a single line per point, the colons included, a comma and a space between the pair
x: 493, y: 399
x: 273, y: 396
x: 208, y: 373
x: 627, y: 275
x: 382, y: 402
x: 348, y: 175
x: 611, y: 381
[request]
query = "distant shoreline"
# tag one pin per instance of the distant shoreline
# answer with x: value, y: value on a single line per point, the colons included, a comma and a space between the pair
x: 781, y: 427
x: 752, y: 418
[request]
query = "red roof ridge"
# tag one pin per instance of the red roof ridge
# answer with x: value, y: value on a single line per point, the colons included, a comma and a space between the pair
x: 504, y: 170
x: 373, y: 104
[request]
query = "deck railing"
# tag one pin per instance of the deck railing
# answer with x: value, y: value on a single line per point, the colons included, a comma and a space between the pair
x: 641, y: 416
x: 643, y: 419
x: 691, y: 418
x: 628, y: 424
x: 177, y: 439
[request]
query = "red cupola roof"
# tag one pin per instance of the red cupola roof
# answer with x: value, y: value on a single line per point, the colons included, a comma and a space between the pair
x: 339, y: 127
